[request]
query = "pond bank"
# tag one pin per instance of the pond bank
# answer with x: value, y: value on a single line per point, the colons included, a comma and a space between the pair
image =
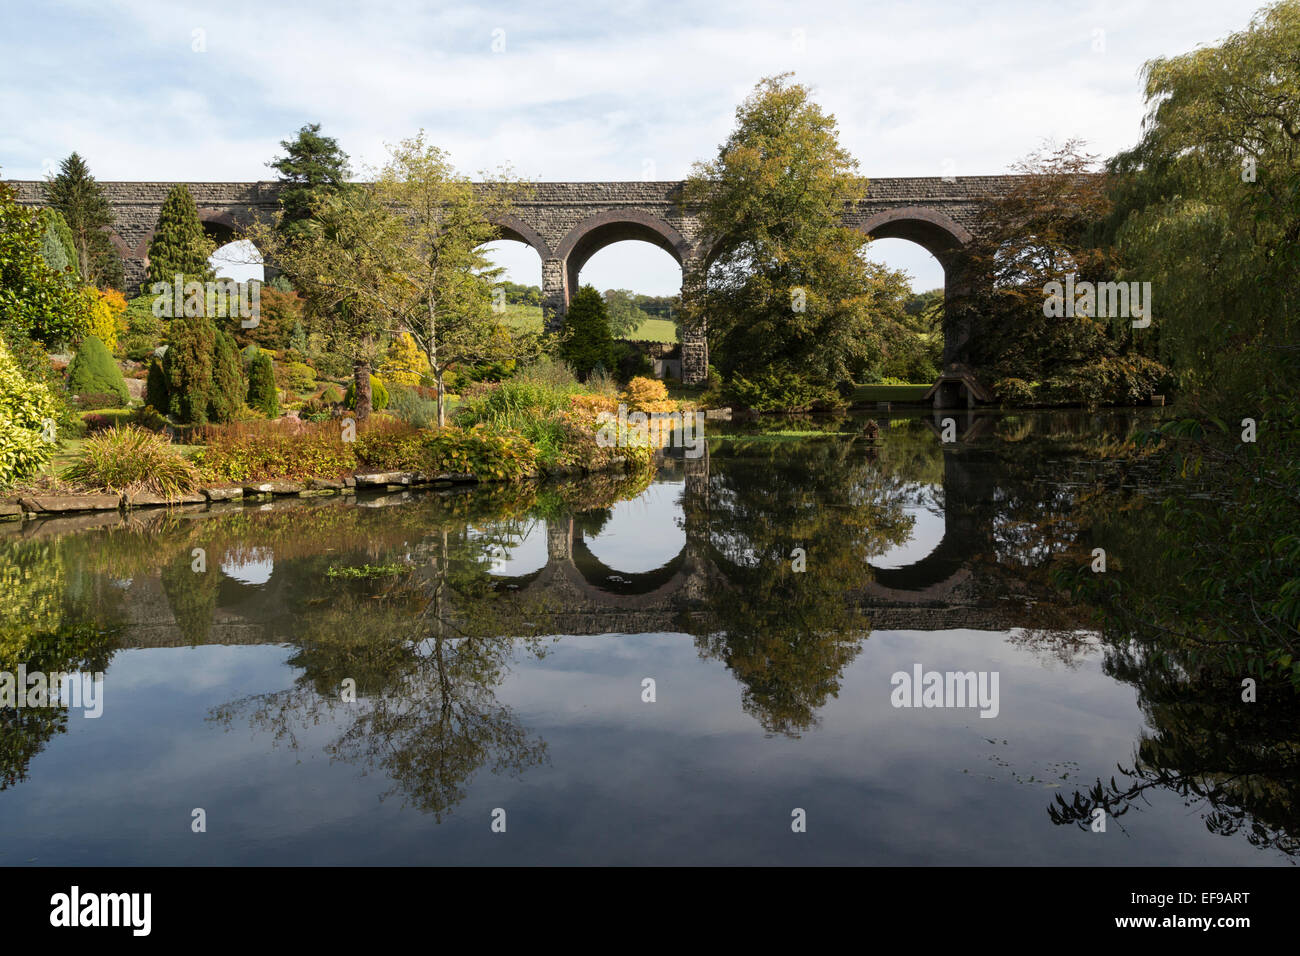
x: 32, y: 505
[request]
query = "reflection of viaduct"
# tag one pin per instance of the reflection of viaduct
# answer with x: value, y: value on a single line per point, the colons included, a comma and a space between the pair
x: 942, y: 590
x: 954, y: 586
x: 568, y: 223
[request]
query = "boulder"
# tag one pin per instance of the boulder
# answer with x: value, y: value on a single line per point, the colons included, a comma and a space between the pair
x: 147, y: 499
x: 223, y: 493
x: 274, y: 488
x: 384, y: 479
x: 62, y: 503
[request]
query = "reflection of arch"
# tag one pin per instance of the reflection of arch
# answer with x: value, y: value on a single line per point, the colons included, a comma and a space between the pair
x: 600, y: 575
x: 502, y: 582
x: 967, y: 488
x: 512, y: 227
x: 937, y: 567
x: 606, y: 228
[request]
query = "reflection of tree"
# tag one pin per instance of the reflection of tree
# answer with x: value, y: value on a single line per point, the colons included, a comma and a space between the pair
x: 192, y: 596
x: 1239, y: 763
x: 426, y: 650
x: 1193, y: 601
x: 54, y: 618
x: 787, y: 635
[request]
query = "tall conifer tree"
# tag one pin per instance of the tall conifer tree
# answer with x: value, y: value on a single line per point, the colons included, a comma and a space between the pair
x: 179, y: 246
x: 85, y: 208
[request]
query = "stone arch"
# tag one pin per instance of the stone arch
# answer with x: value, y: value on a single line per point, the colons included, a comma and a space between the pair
x: 616, y: 225
x: 945, y: 239
x: 219, y: 224
x: 514, y: 228
x: 932, y: 230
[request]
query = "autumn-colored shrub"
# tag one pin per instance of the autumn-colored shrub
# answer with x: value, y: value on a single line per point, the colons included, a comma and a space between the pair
x: 642, y: 390
x: 262, y: 451
x: 593, y: 405
x: 405, y: 364
x: 485, y: 454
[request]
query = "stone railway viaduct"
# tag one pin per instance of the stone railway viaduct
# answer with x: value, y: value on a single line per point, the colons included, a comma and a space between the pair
x: 568, y: 223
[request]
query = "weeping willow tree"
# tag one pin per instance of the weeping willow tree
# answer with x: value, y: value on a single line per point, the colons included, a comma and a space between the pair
x: 1207, y: 208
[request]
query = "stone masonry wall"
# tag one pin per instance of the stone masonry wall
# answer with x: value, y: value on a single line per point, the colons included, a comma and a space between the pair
x: 567, y: 223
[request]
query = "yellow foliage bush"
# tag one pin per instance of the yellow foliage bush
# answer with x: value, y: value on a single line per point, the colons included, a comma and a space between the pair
x: 642, y: 390
x: 106, y: 310
x: 405, y: 363
x: 593, y: 405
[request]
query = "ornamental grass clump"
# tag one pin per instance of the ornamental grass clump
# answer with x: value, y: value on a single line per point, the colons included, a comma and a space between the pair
x: 132, y: 459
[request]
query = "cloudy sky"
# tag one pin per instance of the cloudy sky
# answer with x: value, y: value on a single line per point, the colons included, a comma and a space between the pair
x: 575, y: 90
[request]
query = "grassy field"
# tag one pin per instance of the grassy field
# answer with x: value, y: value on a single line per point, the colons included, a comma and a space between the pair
x: 652, y: 330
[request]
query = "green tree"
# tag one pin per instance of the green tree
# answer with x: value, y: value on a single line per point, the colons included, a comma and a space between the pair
x: 379, y: 397
x: 624, y: 315
x: 188, y: 366
x: 787, y: 290
x: 1045, y: 229
x: 438, y: 280
x: 587, y: 344
x: 57, y: 246
x: 262, y: 393
x: 403, y: 254
x: 1207, y: 208
x: 155, y: 386
x: 179, y: 245
x: 86, y: 210
x: 313, y: 168
x: 26, y: 408
x: 339, y: 274
x: 228, y: 388
x: 94, y: 372
x: 36, y: 303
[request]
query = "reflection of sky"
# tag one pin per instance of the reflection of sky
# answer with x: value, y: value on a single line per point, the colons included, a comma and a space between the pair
x: 252, y: 567
x: 522, y: 554
x: 642, y: 534
x: 690, y: 778
x: 927, y: 532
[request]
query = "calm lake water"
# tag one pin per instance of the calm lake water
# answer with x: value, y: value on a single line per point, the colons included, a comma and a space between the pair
x: 688, y: 668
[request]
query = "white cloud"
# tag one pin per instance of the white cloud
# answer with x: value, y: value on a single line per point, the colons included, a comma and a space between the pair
x: 580, y: 91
